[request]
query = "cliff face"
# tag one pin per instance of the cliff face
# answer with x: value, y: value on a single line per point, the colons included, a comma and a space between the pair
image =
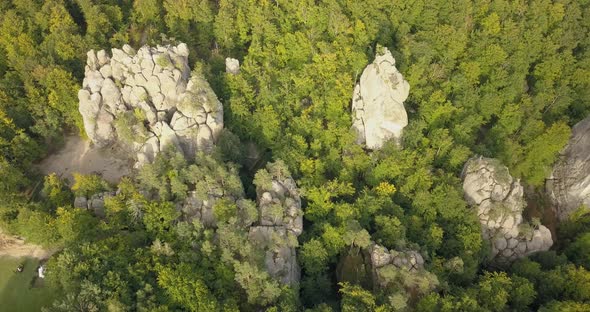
x: 148, y: 100
x: 569, y: 185
x: 499, y: 199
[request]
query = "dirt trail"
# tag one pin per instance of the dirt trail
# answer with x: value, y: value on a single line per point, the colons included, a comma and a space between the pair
x: 15, y: 247
x: 79, y: 156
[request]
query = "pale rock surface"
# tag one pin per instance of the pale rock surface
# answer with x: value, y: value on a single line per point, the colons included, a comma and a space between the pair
x: 153, y: 83
x: 232, y: 66
x: 411, y: 261
x: 499, y: 200
x: 378, y: 102
x: 569, y: 185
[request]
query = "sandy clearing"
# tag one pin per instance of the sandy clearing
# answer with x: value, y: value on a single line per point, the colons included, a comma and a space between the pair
x: 79, y: 156
x: 15, y: 247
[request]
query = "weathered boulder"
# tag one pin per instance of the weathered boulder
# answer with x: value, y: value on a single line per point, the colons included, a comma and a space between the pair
x: 378, y: 102
x: 569, y: 184
x: 280, y: 258
x: 232, y: 66
x: 138, y: 92
x: 81, y: 202
x: 409, y: 261
x: 378, y: 268
x: 94, y: 204
x: 499, y: 199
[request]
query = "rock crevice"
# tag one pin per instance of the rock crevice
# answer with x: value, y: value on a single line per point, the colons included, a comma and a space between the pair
x: 569, y: 184
x: 148, y: 100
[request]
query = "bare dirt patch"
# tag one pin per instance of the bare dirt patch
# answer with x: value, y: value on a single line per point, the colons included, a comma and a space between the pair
x: 16, y: 247
x: 78, y: 155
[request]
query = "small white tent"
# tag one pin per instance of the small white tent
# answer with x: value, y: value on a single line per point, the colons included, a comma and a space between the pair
x: 41, y: 271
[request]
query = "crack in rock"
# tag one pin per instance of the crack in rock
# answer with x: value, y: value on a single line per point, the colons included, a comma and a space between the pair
x: 500, y: 212
x: 152, y: 84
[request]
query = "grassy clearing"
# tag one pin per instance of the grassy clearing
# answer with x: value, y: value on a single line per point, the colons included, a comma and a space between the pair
x: 16, y: 293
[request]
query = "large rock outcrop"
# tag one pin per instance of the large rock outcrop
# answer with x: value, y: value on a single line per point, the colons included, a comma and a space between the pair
x: 499, y: 199
x: 396, y: 271
x: 378, y: 102
x: 272, y: 225
x: 280, y: 222
x: 147, y: 100
x: 569, y: 185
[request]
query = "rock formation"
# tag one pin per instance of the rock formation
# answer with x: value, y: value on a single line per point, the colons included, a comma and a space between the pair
x: 147, y: 100
x: 378, y: 268
x: 378, y: 102
x: 403, y: 262
x: 499, y: 199
x: 272, y: 225
x: 280, y: 222
x: 95, y: 203
x: 569, y: 185
x: 232, y: 66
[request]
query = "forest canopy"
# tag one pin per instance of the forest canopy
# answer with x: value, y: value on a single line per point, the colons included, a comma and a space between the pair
x: 499, y: 79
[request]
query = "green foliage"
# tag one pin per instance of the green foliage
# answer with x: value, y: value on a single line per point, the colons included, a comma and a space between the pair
x: 579, y: 251
x: 88, y: 185
x: 159, y: 218
x: 355, y: 298
x: 500, y: 79
x: 57, y: 192
x: 186, y: 290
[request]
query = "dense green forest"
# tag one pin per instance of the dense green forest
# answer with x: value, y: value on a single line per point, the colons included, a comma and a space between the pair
x: 502, y: 79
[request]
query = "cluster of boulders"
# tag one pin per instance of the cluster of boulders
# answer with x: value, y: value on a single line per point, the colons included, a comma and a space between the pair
x: 409, y: 261
x: 279, y: 225
x: 198, y: 208
x: 94, y: 203
x: 499, y: 199
x: 274, y: 225
x: 569, y: 184
x: 147, y: 100
x: 378, y: 112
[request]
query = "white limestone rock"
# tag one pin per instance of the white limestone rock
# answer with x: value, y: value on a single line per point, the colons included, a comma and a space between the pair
x: 569, y: 184
x: 378, y: 102
x: 499, y: 198
x: 103, y: 58
x: 232, y: 66
x: 151, y: 82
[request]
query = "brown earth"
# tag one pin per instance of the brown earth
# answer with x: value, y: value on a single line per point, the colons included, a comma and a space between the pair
x: 16, y: 247
x: 78, y: 155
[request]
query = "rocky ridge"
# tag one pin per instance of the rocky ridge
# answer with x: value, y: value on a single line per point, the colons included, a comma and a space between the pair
x: 499, y: 199
x: 378, y: 102
x: 569, y: 184
x: 147, y: 100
